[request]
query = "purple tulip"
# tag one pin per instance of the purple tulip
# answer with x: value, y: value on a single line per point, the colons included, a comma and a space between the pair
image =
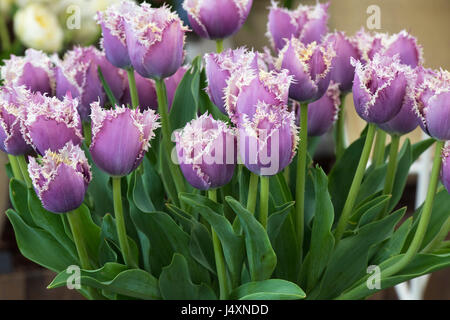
x: 306, y: 23
x: 310, y: 67
x: 206, y: 150
x: 114, y: 43
x: 34, y: 71
x: 219, y: 67
x: 50, y: 123
x: 155, y: 40
x: 323, y: 113
x: 433, y: 104
x: 342, y: 71
x: 120, y: 138
x: 78, y: 74
x: 267, y: 143
x: 172, y: 83
x: 380, y: 87
x: 12, y: 117
x: 445, y: 172
x: 61, y: 178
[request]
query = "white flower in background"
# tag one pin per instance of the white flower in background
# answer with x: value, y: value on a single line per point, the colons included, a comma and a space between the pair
x: 38, y: 27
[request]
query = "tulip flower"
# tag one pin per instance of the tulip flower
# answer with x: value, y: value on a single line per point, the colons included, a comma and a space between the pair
x: 12, y: 116
x: 51, y: 123
x: 155, y: 39
x: 217, y: 19
x: 310, y: 66
x: 78, y: 74
x: 306, y: 23
x: 112, y: 22
x: 34, y: 71
x: 120, y: 138
x: 342, y: 71
x: 380, y: 87
x: 445, y: 173
x: 61, y: 178
x: 433, y: 104
x: 206, y: 150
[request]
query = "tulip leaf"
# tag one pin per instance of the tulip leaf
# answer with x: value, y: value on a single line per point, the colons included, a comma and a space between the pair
x: 405, y: 160
x: 201, y: 247
x: 18, y: 192
x: 420, y: 147
x: 372, y: 183
x: 271, y: 289
x: 277, y: 219
x: 112, y: 99
x: 369, y: 208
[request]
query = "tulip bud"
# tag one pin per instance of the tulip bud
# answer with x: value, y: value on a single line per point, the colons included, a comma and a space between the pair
x: 445, y: 172
x: 306, y: 23
x: 12, y: 115
x: 34, y: 71
x: 380, y: 87
x: 206, y: 150
x: 310, y: 67
x: 78, y: 74
x: 61, y: 178
x: 433, y: 104
x: 342, y: 72
x: 217, y: 19
x: 51, y: 123
x: 114, y: 43
x: 268, y: 141
x: 155, y: 39
x: 120, y: 138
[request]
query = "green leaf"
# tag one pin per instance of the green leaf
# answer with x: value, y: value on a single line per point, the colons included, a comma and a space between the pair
x: 112, y: 99
x: 404, y: 164
x: 272, y: 289
x: 373, y: 182
x: 369, y: 209
x: 277, y: 219
x: 18, y: 192
x: 261, y: 256
x: 201, y: 247
x: 420, y: 147
x: 175, y: 283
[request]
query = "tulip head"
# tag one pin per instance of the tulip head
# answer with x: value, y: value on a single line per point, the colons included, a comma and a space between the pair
x: 310, y: 66
x: 445, y: 172
x: 268, y: 141
x: 155, y: 39
x: 61, y: 178
x: 34, y: 71
x: 217, y: 19
x: 306, y: 23
x: 120, y: 138
x: 380, y: 88
x: 206, y: 150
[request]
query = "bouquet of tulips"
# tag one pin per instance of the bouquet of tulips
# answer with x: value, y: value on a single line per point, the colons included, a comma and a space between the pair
x: 164, y: 181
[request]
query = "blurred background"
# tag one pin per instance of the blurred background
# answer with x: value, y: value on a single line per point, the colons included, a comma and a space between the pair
x: 43, y: 24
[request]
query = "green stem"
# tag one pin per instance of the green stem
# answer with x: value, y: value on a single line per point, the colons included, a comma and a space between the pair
x: 166, y: 131
x: 219, y: 45
x: 264, y: 201
x: 301, y: 174
x: 24, y: 169
x: 252, y: 192
x: 340, y: 129
x: 120, y: 223
x: 420, y: 231
x: 391, y: 170
x: 354, y: 189
x: 4, y: 34
x: 17, y: 173
x: 380, y: 146
x: 87, y: 133
x: 218, y: 255
x: 133, y: 88
x: 76, y: 226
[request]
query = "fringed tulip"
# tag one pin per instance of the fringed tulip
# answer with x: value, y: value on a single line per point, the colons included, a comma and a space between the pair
x: 310, y: 66
x: 61, y: 178
x: 120, y: 138
x: 155, y: 39
x: 306, y: 23
x: 217, y: 19
x: 445, y: 173
x: 207, y: 152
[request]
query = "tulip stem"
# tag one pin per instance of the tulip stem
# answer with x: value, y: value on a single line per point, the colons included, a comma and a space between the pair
x: 380, y: 146
x: 17, y: 173
x: 120, y: 223
x: 24, y: 169
x: 219, y: 45
x: 76, y: 226
x: 264, y: 201
x: 357, y: 179
x: 420, y: 231
x: 133, y: 88
x: 218, y: 255
x: 391, y: 170
x: 301, y: 174
x: 166, y: 131
x: 252, y: 192
x: 340, y: 129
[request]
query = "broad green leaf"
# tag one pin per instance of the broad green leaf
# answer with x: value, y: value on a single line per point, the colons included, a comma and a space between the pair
x: 369, y: 208
x: 201, y: 247
x: 18, y: 192
x: 271, y: 289
x: 373, y: 182
x: 420, y: 147
x: 277, y: 219
x: 405, y: 160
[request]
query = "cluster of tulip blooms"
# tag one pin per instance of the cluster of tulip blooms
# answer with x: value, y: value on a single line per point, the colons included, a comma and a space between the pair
x: 269, y: 103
